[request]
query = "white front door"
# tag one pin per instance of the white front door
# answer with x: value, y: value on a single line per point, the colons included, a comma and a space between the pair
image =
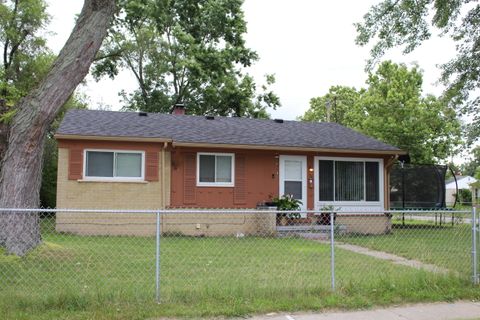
x: 293, y: 178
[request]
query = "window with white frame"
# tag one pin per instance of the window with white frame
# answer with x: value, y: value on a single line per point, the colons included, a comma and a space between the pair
x: 346, y: 181
x: 103, y: 164
x: 215, y: 169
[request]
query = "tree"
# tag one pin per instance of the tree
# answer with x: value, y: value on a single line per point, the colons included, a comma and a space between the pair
x: 24, y: 55
x: 21, y: 165
x: 48, y: 189
x: 392, y: 109
x: 470, y: 167
x: 336, y: 106
x: 26, y: 60
x: 408, y: 24
x: 188, y: 51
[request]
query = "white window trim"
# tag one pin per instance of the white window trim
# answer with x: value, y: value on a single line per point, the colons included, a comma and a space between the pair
x: 381, y: 181
x: 113, y: 179
x: 215, y: 184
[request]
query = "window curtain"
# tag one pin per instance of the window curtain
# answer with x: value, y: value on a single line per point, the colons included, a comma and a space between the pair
x: 129, y: 165
x: 372, y: 191
x: 99, y: 164
x: 325, y: 180
x: 349, y: 181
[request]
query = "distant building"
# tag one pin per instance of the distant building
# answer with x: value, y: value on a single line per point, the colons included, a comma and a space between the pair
x: 464, y: 182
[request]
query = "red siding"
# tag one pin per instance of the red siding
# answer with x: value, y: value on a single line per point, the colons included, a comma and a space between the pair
x: 189, y: 178
x: 240, y: 190
x: 75, y: 168
x: 256, y: 178
x: 151, y: 166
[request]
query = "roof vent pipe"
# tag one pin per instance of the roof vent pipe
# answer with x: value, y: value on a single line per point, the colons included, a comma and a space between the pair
x: 178, y: 109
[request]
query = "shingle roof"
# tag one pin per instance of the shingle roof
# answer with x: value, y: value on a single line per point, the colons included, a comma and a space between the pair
x: 221, y: 130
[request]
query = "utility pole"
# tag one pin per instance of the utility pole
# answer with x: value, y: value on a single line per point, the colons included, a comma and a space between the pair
x: 328, y: 107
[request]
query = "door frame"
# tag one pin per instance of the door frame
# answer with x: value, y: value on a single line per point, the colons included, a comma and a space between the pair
x: 281, y: 178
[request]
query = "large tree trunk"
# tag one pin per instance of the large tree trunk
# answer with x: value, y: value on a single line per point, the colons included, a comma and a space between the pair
x: 3, y: 129
x: 21, y: 168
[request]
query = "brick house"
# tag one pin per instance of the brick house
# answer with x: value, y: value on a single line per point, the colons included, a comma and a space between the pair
x: 128, y: 160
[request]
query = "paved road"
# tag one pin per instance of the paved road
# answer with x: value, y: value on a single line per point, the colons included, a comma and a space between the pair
x: 431, y: 311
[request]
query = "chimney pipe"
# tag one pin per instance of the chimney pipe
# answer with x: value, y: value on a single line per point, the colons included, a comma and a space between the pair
x: 178, y: 109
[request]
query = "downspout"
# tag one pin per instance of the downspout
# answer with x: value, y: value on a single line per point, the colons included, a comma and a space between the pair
x: 164, y: 165
x: 388, y: 166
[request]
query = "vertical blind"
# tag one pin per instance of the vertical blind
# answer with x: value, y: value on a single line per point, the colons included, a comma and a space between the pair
x: 348, y: 180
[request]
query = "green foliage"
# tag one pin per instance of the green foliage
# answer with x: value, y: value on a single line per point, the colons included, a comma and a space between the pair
x: 470, y: 167
x: 392, y: 109
x: 407, y: 24
x: 288, y: 203
x: 25, y: 62
x: 464, y: 196
x: 48, y: 190
x: 25, y: 58
x: 335, y: 106
x: 186, y: 51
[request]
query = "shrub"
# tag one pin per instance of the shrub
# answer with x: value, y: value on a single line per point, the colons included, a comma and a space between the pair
x: 464, y: 196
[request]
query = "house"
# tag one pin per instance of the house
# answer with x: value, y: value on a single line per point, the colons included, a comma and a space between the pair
x: 129, y: 160
x: 464, y: 183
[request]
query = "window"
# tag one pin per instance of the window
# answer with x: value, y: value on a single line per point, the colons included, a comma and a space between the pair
x: 348, y: 180
x: 105, y: 165
x: 215, y: 169
x: 293, y: 178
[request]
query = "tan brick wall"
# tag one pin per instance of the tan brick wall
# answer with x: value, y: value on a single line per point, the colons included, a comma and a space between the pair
x: 365, y: 224
x: 208, y: 224
x: 74, y: 194
x: 106, y: 224
x: 105, y: 195
x: 218, y: 224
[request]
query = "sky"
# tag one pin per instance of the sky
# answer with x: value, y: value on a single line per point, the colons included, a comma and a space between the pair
x: 308, y: 44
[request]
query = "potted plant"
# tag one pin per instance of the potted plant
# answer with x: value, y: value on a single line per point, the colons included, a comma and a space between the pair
x: 287, y: 203
x: 325, y: 214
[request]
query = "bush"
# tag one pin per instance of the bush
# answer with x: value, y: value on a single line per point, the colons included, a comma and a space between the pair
x: 288, y: 203
x: 464, y: 196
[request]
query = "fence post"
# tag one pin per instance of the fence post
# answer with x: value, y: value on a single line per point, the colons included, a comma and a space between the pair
x: 478, y: 239
x: 157, y: 259
x: 332, y: 249
x: 474, y: 246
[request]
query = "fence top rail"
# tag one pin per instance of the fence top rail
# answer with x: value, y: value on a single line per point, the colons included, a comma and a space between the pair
x: 235, y: 211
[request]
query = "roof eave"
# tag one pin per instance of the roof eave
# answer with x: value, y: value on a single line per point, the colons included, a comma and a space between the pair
x: 285, y: 148
x: 108, y: 138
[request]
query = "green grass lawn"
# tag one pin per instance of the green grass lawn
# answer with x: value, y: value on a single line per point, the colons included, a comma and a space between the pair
x: 446, y: 246
x: 113, y: 277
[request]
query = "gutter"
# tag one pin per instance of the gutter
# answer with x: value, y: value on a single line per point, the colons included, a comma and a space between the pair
x: 285, y: 148
x: 109, y: 138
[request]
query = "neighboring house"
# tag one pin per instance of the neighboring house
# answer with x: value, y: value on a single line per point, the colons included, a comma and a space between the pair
x: 127, y: 160
x: 465, y: 183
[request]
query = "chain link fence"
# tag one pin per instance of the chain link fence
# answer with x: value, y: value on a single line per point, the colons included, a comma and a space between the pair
x: 186, y: 255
